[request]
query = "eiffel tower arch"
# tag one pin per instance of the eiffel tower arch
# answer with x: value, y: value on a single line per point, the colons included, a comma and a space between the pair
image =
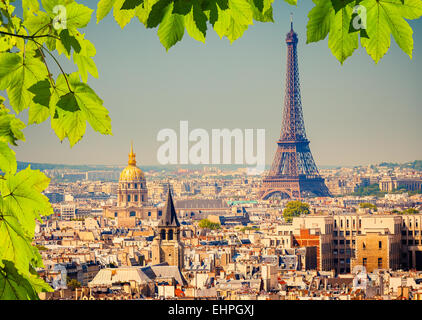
x: 293, y: 173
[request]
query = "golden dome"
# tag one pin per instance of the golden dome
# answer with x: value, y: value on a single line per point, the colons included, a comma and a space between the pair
x: 132, y: 172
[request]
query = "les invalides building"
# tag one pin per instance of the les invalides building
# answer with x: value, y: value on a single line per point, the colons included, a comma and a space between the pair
x: 132, y: 197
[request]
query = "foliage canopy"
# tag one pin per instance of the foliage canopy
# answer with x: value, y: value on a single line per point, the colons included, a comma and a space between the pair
x: 295, y: 209
x: 207, y: 224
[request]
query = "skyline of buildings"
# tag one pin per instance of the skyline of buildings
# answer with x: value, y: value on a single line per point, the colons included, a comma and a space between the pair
x: 110, y: 244
x: 367, y: 123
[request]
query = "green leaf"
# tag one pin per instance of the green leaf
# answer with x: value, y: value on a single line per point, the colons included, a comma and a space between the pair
x: 13, y: 285
x: 39, y: 110
x: 69, y: 42
x: 15, y: 245
x: 41, y: 91
x: 122, y: 17
x: 131, y: 4
x: 7, y: 159
x: 157, y: 12
x: 103, y: 8
x: 340, y: 41
x: 10, y: 63
x: 75, y: 15
x: 84, y: 58
x: 49, y: 5
x: 31, y: 71
x: 75, y: 108
x: 379, y: 34
x: 62, y: 107
x: 78, y: 15
x: 340, y: 4
x: 38, y: 114
x: 6, y: 42
x: 38, y: 284
x: 409, y: 9
x: 259, y: 4
x: 171, y: 29
x: 320, y: 19
x: 91, y: 106
x: 29, y: 7
x: 71, y: 125
x: 222, y: 24
x: 235, y: 30
x: 68, y: 102
x: 385, y: 18
x: 183, y: 7
x: 196, y: 24
x: 23, y: 199
x: 262, y: 10
x: 10, y: 127
x: 59, y: 130
x: 143, y: 11
x: 21, y: 75
x: 37, y: 23
x: 241, y: 12
x: 324, y: 20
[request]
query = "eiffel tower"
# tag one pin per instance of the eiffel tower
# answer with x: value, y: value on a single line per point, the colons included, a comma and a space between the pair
x: 293, y: 173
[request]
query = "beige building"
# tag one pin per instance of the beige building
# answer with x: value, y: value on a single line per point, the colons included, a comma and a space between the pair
x: 392, y: 183
x: 377, y: 250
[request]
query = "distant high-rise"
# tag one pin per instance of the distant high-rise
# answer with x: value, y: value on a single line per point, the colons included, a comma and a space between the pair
x: 293, y: 173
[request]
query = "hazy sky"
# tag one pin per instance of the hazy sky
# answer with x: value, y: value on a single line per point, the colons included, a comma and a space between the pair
x: 358, y: 113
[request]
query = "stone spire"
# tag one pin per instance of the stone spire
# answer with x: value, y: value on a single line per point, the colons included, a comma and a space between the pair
x: 169, y: 217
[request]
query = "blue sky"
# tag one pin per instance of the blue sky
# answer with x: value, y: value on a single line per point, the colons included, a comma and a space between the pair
x: 358, y: 113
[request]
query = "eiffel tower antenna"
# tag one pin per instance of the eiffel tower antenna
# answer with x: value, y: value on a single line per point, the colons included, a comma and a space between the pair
x: 291, y: 21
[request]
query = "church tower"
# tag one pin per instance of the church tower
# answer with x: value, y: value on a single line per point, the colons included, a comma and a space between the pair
x: 166, y: 246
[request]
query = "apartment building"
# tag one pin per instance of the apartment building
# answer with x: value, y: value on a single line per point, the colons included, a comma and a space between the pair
x: 344, y: 241
x: 411, y: 241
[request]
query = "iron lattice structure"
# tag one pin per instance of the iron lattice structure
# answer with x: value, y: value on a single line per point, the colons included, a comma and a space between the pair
x: 293, y: 173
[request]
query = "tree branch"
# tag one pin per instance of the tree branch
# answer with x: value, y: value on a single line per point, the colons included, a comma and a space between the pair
x: 58, y: 64
x: 42, y: 28
x: 28, y: 37
x: 46, y: 65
